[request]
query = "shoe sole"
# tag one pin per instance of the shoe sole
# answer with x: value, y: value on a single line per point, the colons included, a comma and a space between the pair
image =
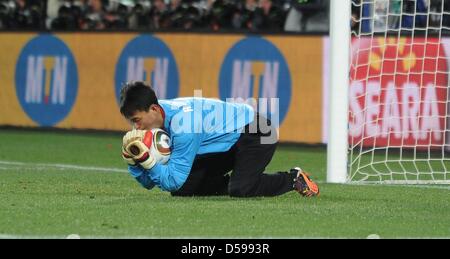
x: 312, y: 186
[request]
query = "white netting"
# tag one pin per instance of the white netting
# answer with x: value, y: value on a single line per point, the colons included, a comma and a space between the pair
x: 398, y: 116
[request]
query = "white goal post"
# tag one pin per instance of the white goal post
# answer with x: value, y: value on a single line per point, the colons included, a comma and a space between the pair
x: 338, y: 93
x: 389, y: 113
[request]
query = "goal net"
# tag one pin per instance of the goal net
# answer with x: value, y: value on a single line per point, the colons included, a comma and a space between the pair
x: 398, y: 114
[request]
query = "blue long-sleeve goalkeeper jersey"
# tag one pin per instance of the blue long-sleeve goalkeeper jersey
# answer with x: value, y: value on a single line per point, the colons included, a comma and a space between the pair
x: 196, y: 126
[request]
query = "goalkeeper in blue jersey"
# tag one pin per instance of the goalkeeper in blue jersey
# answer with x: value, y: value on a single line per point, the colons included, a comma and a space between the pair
x: 218, y: 148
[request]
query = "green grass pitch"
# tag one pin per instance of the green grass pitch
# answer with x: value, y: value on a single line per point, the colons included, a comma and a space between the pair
x: 55, y: 184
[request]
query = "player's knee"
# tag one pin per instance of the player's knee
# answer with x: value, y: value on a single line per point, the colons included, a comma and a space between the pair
x: 242, y: 190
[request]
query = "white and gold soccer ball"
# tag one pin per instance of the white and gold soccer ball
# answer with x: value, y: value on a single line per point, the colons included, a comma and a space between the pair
x: 160, y: 148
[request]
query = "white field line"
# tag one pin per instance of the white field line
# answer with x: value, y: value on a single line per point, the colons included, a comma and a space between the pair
x: 424, y: 186
x: 74, y: 236
x: 7, y: 236
x: 38, y: 166
x: 10, y: 165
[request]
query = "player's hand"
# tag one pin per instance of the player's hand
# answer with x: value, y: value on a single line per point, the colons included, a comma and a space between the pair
x: 134, y: 149
x: 140, y: 154
x: 127, y: 157
x: 131, y: 136
x: 127, y: 139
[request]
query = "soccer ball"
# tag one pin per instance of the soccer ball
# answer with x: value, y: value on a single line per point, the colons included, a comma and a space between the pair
x: 160, y: 145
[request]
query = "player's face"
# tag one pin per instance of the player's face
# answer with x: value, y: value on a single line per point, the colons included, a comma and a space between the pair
x: 143, y: 120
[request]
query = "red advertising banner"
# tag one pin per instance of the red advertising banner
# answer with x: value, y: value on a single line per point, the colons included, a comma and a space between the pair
x: 398, y: 92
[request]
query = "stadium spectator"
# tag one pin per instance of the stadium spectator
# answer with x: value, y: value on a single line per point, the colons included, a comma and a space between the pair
x: 22, y: 14
x: 406, y: 15
x: 440, y: 12
x: 143, y: 14
x: 243, y: 14
x: 268, y: 17
x: 183, y: 15
x: 191, y: 19
x: 159, y: 15
x: 4, y: 14
x: 118, y: 18
x: 308, y: 16
x: 176, y: 12
x: 243, y: 143
x: 394, y: 14
x: 139, y: 17
x: 356, y: 19
x: 94, y: 18
x: 414, y: 14
x: 66, y: 19
x: 219, y: 15
x: 446, y: 16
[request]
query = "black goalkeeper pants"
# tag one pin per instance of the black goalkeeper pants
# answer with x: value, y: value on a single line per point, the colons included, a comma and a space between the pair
x: 247, y: 160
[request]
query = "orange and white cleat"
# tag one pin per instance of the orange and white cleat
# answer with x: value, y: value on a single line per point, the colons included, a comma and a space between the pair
x: 304, y: 185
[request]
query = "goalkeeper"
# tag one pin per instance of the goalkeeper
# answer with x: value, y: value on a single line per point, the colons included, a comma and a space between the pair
x: 207, y: 144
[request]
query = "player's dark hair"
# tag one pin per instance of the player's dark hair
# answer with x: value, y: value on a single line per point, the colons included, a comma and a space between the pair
x: 136, y: 96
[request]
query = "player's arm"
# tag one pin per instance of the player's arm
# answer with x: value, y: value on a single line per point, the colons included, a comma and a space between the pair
x: 171, y: 177
x: 142, y: 176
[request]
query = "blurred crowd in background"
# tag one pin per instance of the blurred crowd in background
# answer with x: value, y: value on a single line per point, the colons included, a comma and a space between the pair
x: 427, y: 16
x: 214, y: 15
x: 220, y: 15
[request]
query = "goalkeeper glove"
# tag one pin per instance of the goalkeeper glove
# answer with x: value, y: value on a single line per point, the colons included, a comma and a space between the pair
x: 127, y: 157
x: 134, y: 150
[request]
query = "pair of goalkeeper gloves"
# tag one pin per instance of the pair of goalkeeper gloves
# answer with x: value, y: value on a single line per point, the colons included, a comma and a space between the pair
x: 136, y: 148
